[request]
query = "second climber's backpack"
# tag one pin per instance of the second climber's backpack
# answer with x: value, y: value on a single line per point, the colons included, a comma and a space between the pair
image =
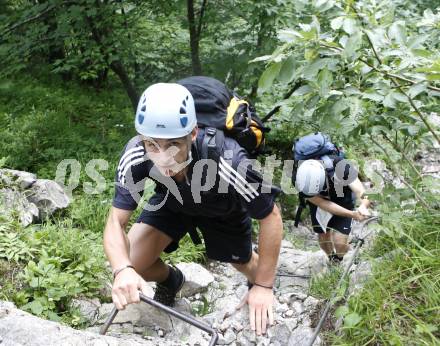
x: 316, y: 146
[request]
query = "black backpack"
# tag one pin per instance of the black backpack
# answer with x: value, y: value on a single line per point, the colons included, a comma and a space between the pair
x: 221, y: 113
x: 316, y: 146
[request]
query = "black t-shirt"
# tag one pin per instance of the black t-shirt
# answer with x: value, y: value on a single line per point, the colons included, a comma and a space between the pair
x: 237, y: 187
x: 340, y: 193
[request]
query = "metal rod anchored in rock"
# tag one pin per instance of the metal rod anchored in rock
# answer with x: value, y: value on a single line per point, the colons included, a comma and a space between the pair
x: 189, y: 319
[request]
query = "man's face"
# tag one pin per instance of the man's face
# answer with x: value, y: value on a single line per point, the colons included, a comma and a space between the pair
x: 169, y: 155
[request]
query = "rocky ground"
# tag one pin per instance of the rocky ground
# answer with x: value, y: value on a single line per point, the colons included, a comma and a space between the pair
x: 214, y: 291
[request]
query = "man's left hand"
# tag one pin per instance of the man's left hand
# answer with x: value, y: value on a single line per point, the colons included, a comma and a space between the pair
x: 260, y: 302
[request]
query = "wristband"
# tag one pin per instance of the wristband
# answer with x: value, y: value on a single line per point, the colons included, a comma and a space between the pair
x: 117, y: 271
x: 268, y: 287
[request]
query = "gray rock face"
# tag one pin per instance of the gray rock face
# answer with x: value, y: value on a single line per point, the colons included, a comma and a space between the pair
x: 31, y: 198
x: 20, y: 328
x: 48, y: 196
x: 14, y: 178
x: 301, y: 336
x: 13, y: 201
x: 197, y: 278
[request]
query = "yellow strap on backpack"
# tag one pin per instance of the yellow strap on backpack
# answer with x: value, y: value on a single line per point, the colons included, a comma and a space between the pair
x: 232, y: 109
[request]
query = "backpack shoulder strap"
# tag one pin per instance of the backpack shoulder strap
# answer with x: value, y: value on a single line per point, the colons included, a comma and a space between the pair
x: 212, y: 143
x: 328, y: 163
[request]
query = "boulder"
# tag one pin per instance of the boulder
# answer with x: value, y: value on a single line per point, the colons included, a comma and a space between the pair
x: 197, y: 278
x: 18, y: 179
x: 19, y: 328
x: 12, y: 201
x: 48, y: 196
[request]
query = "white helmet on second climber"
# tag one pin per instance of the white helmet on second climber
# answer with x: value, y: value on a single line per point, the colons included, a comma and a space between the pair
x: 165, y: 110
x: 310, y: 177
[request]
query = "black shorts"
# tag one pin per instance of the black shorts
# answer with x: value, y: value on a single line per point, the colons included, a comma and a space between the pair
x: 227, y: 238
x: 336, y: 223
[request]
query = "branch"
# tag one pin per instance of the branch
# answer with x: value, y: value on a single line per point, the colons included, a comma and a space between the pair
x: 28, y: 20
x: 202, y: 12
x: 416, y: 194
x: 285, y: 97
x: 387, y: 74
x: 401, y: 151
x: 394, y: 81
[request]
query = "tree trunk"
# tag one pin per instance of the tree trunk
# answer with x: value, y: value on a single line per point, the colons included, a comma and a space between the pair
x: 194, y: 38
x: 120, y: 71
x: 116, y: 66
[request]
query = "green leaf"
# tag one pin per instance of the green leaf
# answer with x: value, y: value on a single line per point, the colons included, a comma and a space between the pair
x: 336, y: 23
x: 340, y: 106
x: 389, y: 101
x: 267, y: 78
x: 397, y: 32
x: 351, y: 320
x: 311, y: 70
x: 289, y: 35
x: 302, y: 90
x: 413, y: 130
x: 373, y: 96
x: 352, y: 44
x: 325, y: 79
x: 287, y: 70
x: 416, y: 89
x: 261, y: 58
x: 399, y: 97
x: 35, y: 306
x: 349, y: 26
x: 342, y: 311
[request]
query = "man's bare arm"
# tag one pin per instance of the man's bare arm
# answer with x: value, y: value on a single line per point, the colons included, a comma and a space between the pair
x: 116, y: 244
x: 269, y: 244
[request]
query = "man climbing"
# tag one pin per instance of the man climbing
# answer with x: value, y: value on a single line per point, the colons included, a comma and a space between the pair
x: 168, y: 150
x: 331, y: 194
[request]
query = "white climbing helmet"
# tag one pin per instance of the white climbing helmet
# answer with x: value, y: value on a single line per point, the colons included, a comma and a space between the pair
x: 165, y: 110
x: 310, y: 177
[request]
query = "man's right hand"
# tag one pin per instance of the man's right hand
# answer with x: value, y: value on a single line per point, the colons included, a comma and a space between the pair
x: 126, y: 288
x: 358, y: 216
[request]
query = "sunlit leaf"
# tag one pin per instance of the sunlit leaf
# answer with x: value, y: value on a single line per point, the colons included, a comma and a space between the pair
x: 268, y: 76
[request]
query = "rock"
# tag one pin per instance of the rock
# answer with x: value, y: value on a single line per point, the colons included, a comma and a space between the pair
x: 291, y: 323
x: 13, y: 201
x: 298, y: 308
x: 279, y: 334
x: 289, y: 313
x: 311, y: 305
x: 359, y: 276
x: 48, y: 196
x: 21, y: 328
x: 379, y: 167
x: 87, y: 307
x: 281, y: 308
x: 298, y: 262
x: 286, y: 244
x: 225, y: 325
x: 140, y: 315
x: 197, y: 278
x: 20, y: 179
x: 246, y: 337
x: 227, y: 338
x: 301, y: 336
